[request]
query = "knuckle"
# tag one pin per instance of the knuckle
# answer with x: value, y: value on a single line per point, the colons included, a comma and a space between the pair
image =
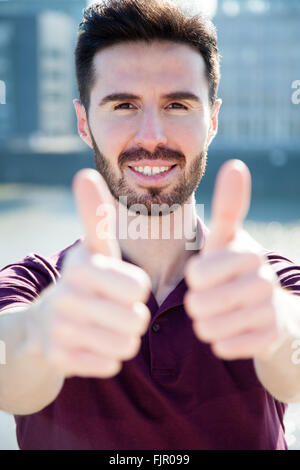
x: 198, y: 330
x: 190, y: 303
x: 142, y: 317
x: 110, y: 368
x: 207, y: 332
x: 187, y: 302
x: 100, y: 262
x: 133, y: 277
x: 142, y: 285
x: 130, y: 347
x: 192, y: 270
x: 203, y: 331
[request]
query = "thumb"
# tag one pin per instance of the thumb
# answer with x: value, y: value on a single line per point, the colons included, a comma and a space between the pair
x: 231, y: 201
x: 96, y: 208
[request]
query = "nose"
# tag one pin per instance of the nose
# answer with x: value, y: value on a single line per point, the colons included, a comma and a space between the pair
x: 150, y: 133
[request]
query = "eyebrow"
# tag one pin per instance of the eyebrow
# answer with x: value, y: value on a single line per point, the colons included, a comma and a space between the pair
x: 177, y: 95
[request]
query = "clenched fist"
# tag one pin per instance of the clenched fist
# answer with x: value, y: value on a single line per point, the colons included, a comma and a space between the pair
x: 234, y: 297
x: 93, y: 318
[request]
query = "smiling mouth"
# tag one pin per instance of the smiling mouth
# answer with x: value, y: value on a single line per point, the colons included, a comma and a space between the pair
x: 151, y: 170
x: 152, y: 176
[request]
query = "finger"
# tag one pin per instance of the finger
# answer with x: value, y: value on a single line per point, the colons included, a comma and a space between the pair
x: 96, y: 208
x: 83, y: 363
x: 96, y: 340
x: 248, y: 290
x: 113, y: 279
x: 254, y: 344
x: 106, y: 313
x: 201, y: 272
x: 234, y: 323
x: 230, y: 204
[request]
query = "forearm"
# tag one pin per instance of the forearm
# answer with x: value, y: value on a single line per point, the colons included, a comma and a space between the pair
x: 280, y: 374
x: 27, y: 382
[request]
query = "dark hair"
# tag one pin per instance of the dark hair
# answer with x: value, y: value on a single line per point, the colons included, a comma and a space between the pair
x: 109, y: 22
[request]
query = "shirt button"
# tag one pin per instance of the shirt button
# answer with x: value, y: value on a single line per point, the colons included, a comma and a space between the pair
x: 155, y: 327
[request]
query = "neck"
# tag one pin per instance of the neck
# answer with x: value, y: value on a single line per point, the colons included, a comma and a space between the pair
x: 161, y: 245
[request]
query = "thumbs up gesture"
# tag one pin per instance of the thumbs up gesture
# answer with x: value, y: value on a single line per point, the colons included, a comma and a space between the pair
x: 233, y: 293
x: 93, y: 318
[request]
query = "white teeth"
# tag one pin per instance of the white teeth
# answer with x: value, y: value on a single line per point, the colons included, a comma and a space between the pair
x: 149, y: 171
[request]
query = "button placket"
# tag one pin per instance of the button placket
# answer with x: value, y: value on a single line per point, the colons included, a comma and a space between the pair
x: 161, y: 362
x: 156, y: 327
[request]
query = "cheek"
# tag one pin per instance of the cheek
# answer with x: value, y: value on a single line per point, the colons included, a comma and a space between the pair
x: 110, y: 136
x: 191, y: 135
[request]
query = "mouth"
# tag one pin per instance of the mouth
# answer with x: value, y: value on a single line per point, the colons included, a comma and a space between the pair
x: 152, y: 175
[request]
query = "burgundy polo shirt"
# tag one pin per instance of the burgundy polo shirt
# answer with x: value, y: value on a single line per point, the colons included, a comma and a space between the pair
x: 175, y: 394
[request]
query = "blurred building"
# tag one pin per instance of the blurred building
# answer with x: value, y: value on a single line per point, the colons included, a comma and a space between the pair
x: 37, y: 40
x: 259, y: 41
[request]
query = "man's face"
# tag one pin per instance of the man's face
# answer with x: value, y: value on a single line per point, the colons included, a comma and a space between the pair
x: 150, y: 142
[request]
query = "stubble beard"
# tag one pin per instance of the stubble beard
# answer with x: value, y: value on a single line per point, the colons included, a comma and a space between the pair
x: 189, y: 179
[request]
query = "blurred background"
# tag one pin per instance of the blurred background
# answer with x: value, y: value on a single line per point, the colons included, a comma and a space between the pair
x: 40, y: 151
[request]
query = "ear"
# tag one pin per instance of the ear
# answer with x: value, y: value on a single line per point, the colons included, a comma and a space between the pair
x: 82, y: 123
x: 213, y: 128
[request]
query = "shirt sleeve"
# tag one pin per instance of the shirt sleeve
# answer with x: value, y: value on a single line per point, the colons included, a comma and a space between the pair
x: 23, y: 281
x: 288, y: 272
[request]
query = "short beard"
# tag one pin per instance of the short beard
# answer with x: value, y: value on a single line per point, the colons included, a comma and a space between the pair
x: 187, y: 185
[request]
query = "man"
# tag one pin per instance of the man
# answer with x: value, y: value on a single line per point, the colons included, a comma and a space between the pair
x: 151, y: 342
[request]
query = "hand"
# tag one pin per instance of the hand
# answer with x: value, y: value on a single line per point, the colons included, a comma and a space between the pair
x: 93, y: 318
x: 234, y: 297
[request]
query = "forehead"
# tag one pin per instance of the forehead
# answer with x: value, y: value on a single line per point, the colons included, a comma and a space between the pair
x: 155, y: 65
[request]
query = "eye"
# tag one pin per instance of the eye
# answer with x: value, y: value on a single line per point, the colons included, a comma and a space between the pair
x: 123, y: 104
x: 181, y: 106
